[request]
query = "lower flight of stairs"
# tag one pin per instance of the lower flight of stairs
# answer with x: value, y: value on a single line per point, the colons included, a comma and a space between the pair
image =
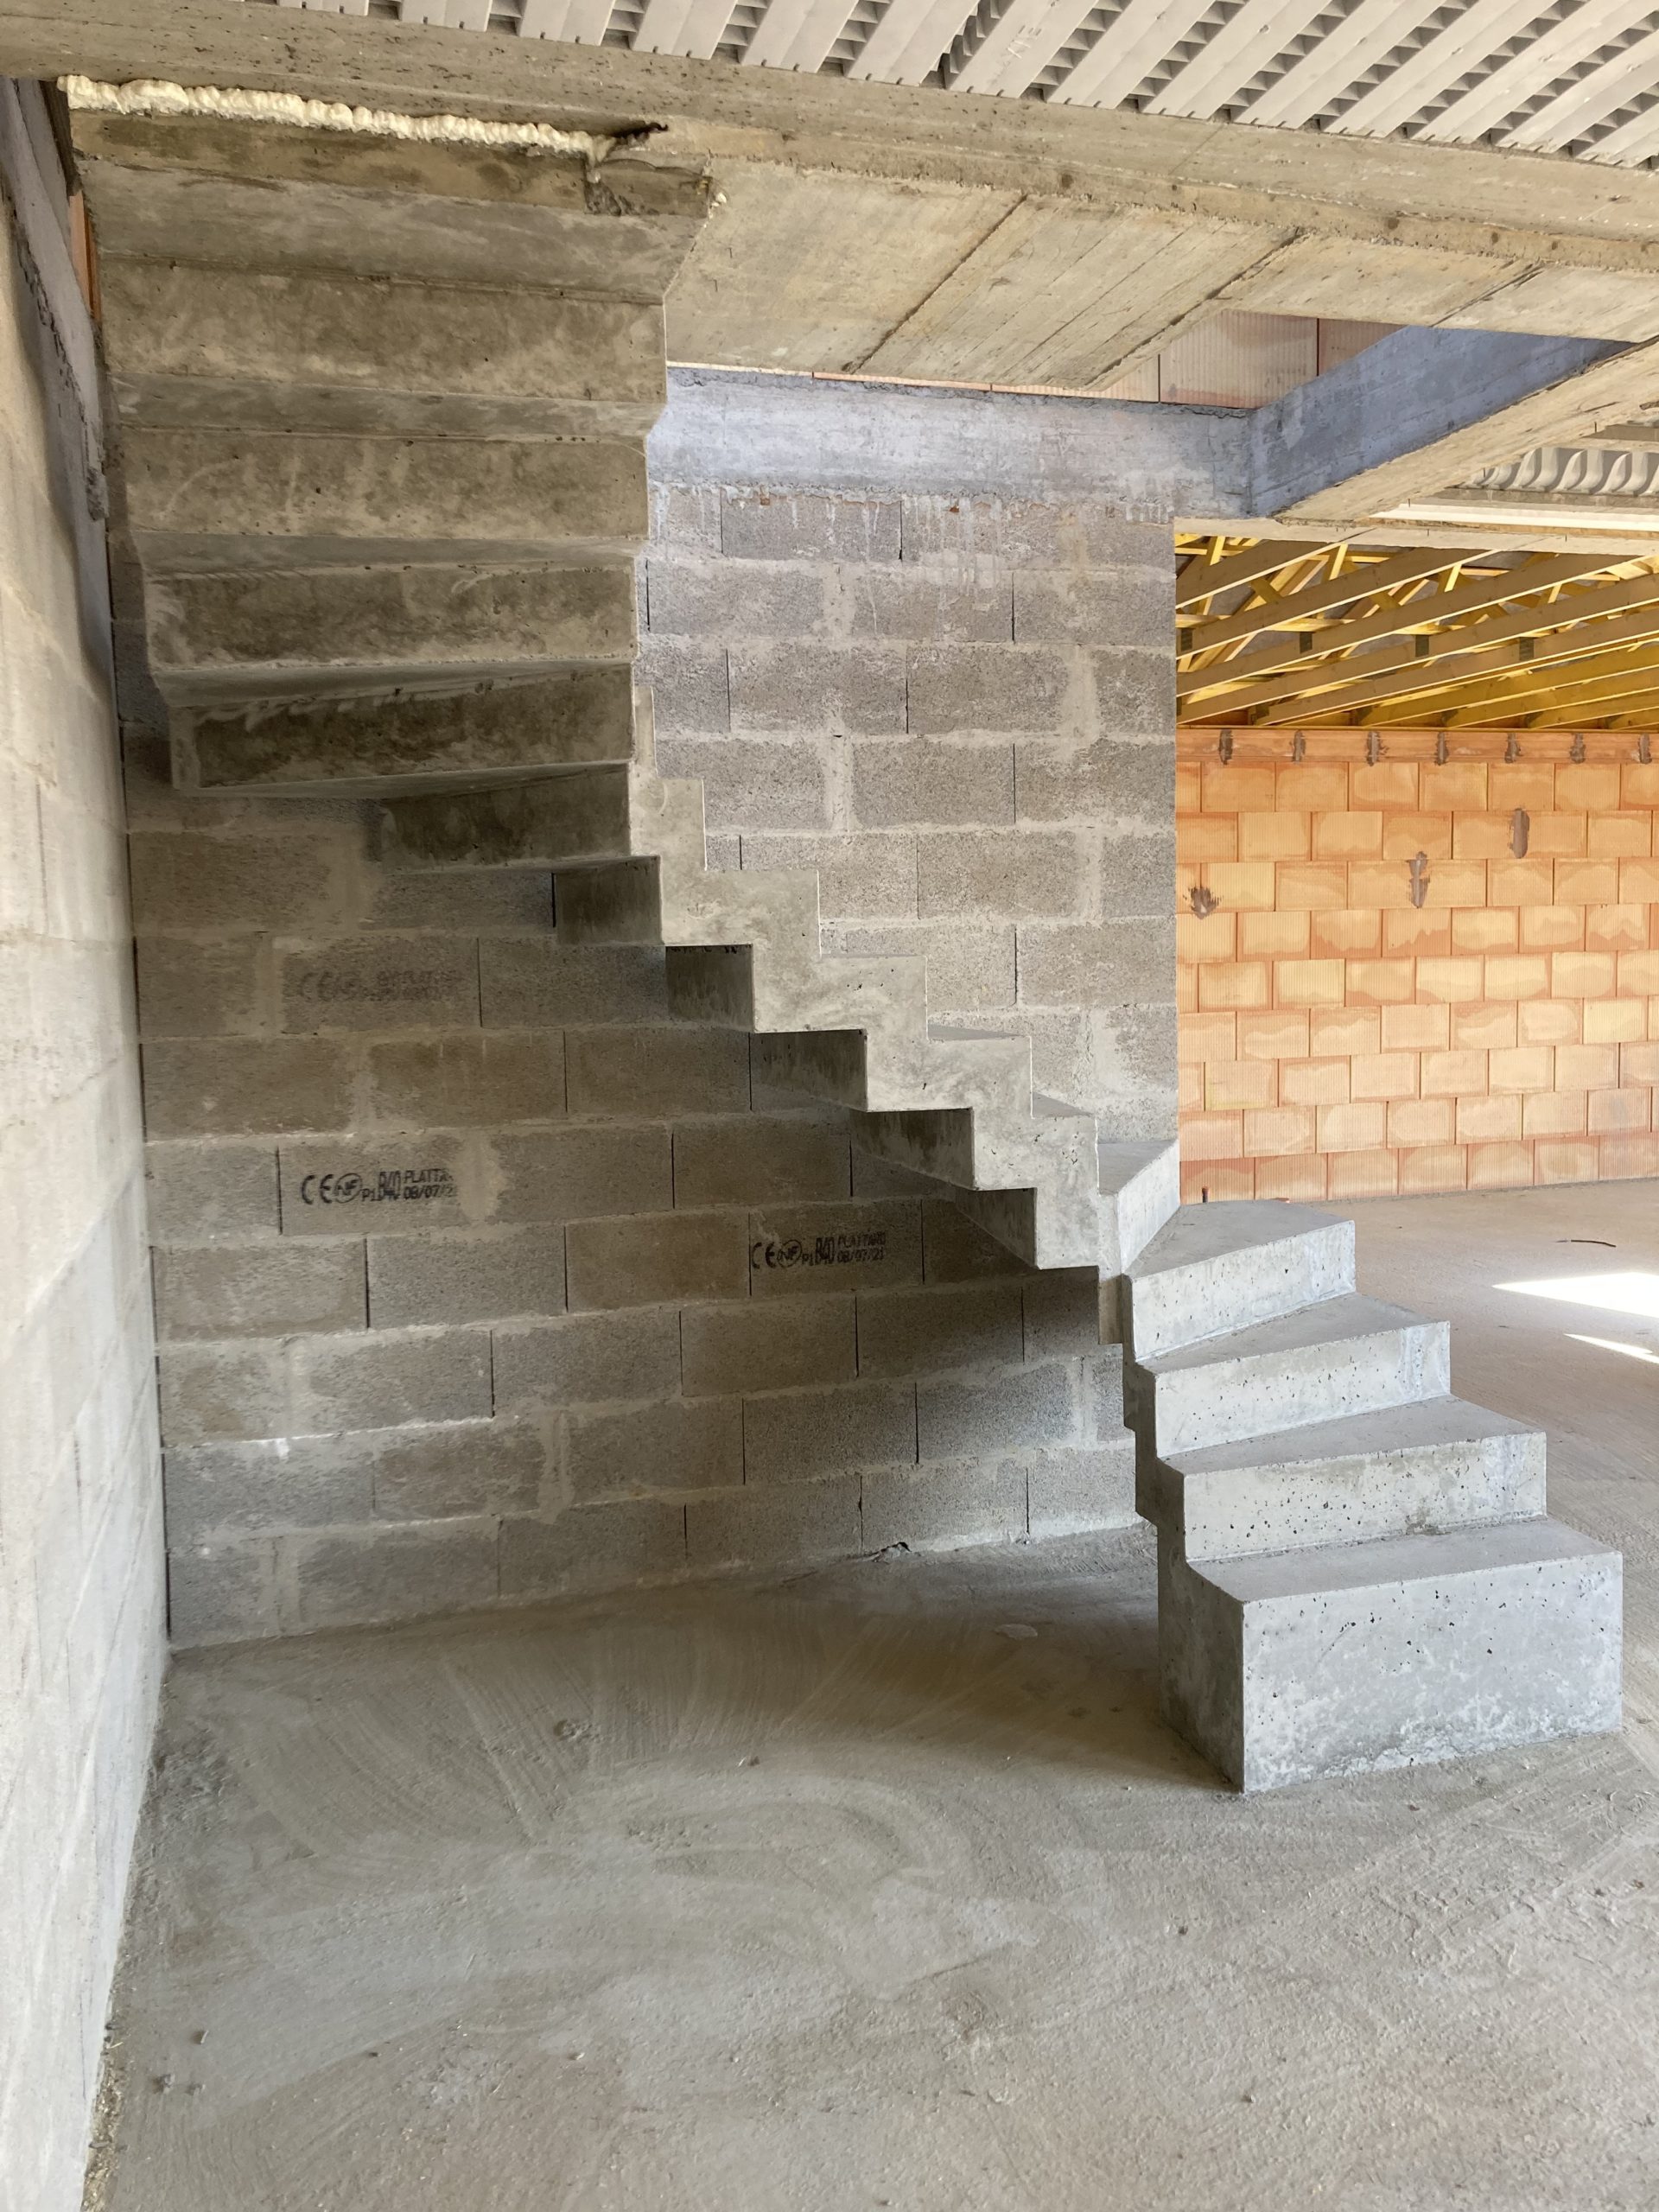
x: 1355, y: 1568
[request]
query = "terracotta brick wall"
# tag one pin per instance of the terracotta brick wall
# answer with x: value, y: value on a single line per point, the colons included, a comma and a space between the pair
x: 1338, y: 1041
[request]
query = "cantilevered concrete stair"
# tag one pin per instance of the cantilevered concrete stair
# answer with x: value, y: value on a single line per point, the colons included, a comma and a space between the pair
x: 382, y: 411
x: 1355, y: 1569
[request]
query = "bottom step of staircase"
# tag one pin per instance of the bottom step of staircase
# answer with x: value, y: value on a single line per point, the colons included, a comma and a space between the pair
x: 1286, y: 1666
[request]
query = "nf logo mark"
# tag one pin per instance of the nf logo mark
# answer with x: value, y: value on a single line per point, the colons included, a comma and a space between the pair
x: 860, y: 1247
x: 380, y: 1186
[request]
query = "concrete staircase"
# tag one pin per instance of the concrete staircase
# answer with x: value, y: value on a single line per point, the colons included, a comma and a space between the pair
x: 1355, y: 1569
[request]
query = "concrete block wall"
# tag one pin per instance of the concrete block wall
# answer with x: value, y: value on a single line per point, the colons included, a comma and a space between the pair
x: 81, y: 1631
x: 1339, y: 1041
x: 480, y: 1278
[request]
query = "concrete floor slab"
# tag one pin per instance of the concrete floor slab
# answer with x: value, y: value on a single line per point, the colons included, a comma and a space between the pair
x: 884, y: 1885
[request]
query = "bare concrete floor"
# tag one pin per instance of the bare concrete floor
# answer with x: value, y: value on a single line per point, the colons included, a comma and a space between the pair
x: 884, y: 1885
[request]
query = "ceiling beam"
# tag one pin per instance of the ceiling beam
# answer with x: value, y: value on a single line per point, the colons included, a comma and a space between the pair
x: 1201, y: 580
x: 1292, y: 612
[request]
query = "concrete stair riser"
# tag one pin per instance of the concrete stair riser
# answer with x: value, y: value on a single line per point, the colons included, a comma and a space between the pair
x: 1183, y: 1293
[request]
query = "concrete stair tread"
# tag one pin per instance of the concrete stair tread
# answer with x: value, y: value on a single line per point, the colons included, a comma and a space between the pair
x: 1330, y: 1321
x: 1206, y: 1232
x: 1262, y: 1577
x: 1419, y: 1427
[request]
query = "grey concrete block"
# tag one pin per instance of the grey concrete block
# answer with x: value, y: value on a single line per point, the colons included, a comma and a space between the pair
x: 751, y: 1159
x: 1111, y: 610
x: 237, y: 1086
x: 656, y: 1071
x: 422, y: 1082
x: 689, y: 684
x: 807, y: 527
x: 987, y: 687
x: 278, y: 1483
x: 590, y: 1358
x: 1029, y: 533
x: 211, y: 1392
x: 465, y: 1276
x: 926, y: 781
x: 537, y: 982
x: 920, y: 1332
x: 1135, y: 1056
x: 198, y: 1192
x: 686, y: 514
x: 1103, y: 1387
x: 930, y: 606
x: 1098, y: 964
x: 192, y: 880
x: 971, y: 966
x: 355, y: 1185
x: 187, y: 989
x: 682, y: 1444
x: 258, y: 1290
x: 959, y: 1417
x: 382, y: 1574
x: 1137, y: 873
x: 1019, y: 874
x: 938, y: 1509
x: 567, y: 1174
x: 516, y: 900
x: 1063, y: 1313
x: 1072, y: 1491
x: 721, y: 600
x: 779, y: 1345
x: 378, y: 1381
x: 799, y: 1434
x: 957, y: 1251
x: 751, y: 784
x: 818, y: 689
x: 221, y: 1594
x: 1135, y: 692
x: 454, y: 1468
x: 863, y: 876
x: 379, y: 983
x: 807, y: 1250
x: 1118, y: 782
x: 607, y: 1546
x: 657, y: 1259
x: 783, y: 1525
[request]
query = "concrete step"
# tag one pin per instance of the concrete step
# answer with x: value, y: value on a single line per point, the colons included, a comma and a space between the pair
x: 279, y: 634
x: 545, y: 824
x: 1403, y: 1471
x: 1216, y: 1268
x: 412, y: 740
x: 1346, y: 1355
x: 217, y: 499
x: 238, y: 349
x: 1293, y: 1665
x: 1140, y: 1183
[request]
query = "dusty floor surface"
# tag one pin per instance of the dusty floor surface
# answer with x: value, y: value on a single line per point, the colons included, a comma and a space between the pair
x: 885, y: 1887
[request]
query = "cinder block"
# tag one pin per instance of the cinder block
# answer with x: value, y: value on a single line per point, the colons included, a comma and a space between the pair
x: 1135, y: 692
x: 1119, y: 781
x: 379, y: 983
x: 806, y: 1251
x: 657, y: 1259
x: 958, y: 1250
x: 971, y: 966
x: 721, y: 600
x: 193, y: 880
x: 666, y: 1071
x: 237, y: 1086
x: 378, y: 1381
x: 541, y: 985
x: 921, y: 1331
x: 209, y: 1392
x: 686, y: 514
x: 1135, y: 608
x: 1029, y: 533
x: 794, y: 1522
x: 221, y: 1594
x: 960, y: 1416
x: 799, y: 1434
x: 351, y: 1187
x: 455, y: 1468
x: 754, y: 784
x: 930, y: 606
x: 807, y: 526
x: 590, y: 1359
x: 187, y: 989
x: 1101, y: 964
x: 1102, y: 1378
x: 282, y: 1483
x: 1067, y: 1314
x: 424, y: 1083
x: 473, y: 899
x: 565, y: 1175
x: 938, y: 1509
x: 258, y: 1290
x: 1015, y: 876
x: 776, y: 1345
x: 689, y: 684
x: 200, y: 1192
x: 1071, y: 1491
x: 751, y: 1159
x: 931, y: 781
x: 603, y: 1546
x: 682, y: 1444
x: 465, y: 1276
x: 859, y: 876
x: 818, y: 689
x: 392, y: 1573
x: 1011, y: 688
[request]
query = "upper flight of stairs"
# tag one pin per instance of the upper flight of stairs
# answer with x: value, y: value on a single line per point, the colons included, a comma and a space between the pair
x: 1355, y: 1568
